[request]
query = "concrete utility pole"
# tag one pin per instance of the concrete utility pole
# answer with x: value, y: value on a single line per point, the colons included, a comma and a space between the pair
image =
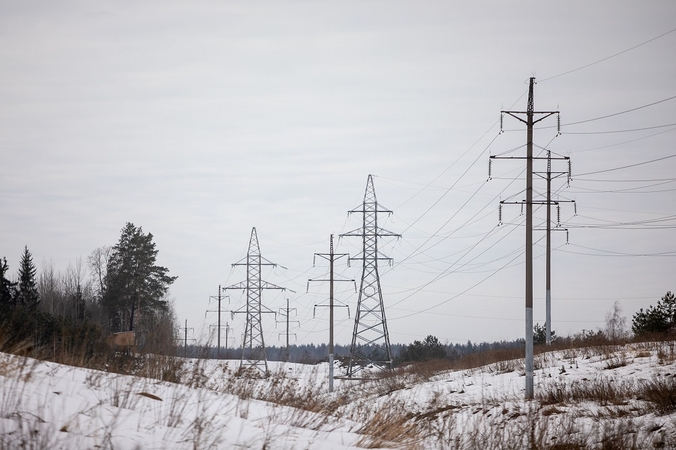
x: 227, y: 331
x: 253, y: 343
x: 370, y: 338
x: 218, y: 327
x: 529, y: 121
x: 549, y: 175
x: 286, y: 312
x: 331, y: 257
x: 185, y: 338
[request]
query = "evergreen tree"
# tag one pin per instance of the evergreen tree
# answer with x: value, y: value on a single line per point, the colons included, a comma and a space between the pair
x: 540, y: 334
x: 656, y: 319
x: 7, y: 288
x: 135, y: 285
x: 27, y: 294
x: 428, y: 349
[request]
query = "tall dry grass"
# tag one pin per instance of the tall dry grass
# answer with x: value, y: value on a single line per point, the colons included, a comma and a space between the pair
x: 555, y: 420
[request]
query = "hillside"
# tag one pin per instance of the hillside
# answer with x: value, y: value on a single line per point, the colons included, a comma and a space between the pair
x: 596, y: 397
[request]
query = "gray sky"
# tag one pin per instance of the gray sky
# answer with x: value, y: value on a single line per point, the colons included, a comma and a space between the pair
x: 201, y: 120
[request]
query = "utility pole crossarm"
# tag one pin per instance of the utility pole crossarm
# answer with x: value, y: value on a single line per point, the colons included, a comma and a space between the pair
x: 562, y: 158
x: 514, y: 114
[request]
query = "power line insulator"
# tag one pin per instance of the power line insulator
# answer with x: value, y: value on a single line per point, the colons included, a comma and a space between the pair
x: 558, y: 124
x: 558, y: 215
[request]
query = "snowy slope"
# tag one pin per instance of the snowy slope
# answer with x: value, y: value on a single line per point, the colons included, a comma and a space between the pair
x: 585, y: 398
x: 48, y: 405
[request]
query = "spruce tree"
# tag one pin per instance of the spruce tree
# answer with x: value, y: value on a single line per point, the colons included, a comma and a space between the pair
x: 27, y: 294
x: 7, y: 288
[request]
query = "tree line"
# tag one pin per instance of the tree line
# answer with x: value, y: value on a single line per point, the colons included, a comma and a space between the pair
x: 118, y: 288
x: 121, y: 288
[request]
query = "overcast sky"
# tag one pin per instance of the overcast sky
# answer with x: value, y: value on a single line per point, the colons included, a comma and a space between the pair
x: 200, y: 120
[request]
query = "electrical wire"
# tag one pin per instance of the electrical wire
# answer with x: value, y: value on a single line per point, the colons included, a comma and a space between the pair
x: 623, y: 142
x: 415, y: 313
x: 611, y: 253
x: 621, y: 131
x: 632, y: 190
x: 563, y: 125
x: 629, y: 166
x: 608, y: 57
x: 625, y: 225
x: 606, y: 180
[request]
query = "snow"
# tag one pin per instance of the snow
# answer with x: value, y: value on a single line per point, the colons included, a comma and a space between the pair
x: 49, y: 405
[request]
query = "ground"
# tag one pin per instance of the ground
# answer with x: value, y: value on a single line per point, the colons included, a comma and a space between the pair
x: 620, y: 396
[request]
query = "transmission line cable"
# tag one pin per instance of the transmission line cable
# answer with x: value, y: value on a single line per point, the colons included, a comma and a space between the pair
x: 631, y: 130
x: 608, y: 57
x: 629, y: 166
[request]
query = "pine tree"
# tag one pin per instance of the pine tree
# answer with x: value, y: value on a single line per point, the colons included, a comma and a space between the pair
x: 428, y: 349
x: 27, y: 294
x: 540, y: 334
x: 656, y: 319
x: 135, y: 286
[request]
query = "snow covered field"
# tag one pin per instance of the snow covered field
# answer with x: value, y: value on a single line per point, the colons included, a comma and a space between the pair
x: 597, y: 397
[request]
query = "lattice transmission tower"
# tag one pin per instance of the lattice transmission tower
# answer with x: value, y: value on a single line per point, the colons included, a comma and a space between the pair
x: 370, y: 338
x: 253, y: 343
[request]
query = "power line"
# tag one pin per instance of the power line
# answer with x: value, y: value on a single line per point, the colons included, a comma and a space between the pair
x: 624, y: 142
x: 611, y: 253
x: 632, y: 190
x: 622, y: 131
x: 421, y: 311
x: 645, y: 180
x: 627, y: 167
x: 619, y: 113
x: 625, y: 225
x: 455, y: 162
x: 608, y: 57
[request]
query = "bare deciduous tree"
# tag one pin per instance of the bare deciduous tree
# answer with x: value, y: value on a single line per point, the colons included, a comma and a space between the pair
x: 616, y: 323
x: 98, y: 263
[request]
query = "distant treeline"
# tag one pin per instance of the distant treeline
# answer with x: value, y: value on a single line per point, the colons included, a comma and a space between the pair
x: 313, y: 354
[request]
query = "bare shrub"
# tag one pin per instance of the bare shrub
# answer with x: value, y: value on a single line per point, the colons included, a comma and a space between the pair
x: 387, y: 426
x: 616, y: 360
x: 602, y: 390
x: 661, y: 392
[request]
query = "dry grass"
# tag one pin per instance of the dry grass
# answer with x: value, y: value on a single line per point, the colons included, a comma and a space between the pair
x: 602, y: 390
x: 661, y: 392
x: 554, y: 421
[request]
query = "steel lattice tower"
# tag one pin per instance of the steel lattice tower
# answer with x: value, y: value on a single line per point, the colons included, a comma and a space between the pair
x: 253, y: 344
x: 370, y: 338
